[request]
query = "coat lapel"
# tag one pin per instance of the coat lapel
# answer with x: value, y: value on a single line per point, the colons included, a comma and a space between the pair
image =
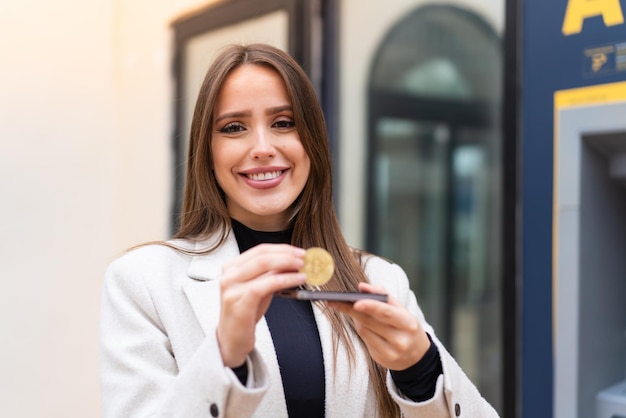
x: 202, y: 286
x: 203, y: 292
x: 346, y: 385
x: 209, y: 266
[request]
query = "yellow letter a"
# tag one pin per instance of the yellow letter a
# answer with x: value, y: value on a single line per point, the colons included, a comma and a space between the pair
x: 579, y: 10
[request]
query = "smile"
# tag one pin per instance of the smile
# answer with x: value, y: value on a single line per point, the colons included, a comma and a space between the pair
x: 265, y: 176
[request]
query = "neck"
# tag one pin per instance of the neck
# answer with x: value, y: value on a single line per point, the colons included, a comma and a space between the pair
x: 265, y: 224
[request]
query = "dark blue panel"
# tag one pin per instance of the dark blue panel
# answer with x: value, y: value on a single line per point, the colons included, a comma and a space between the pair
x: 551, y: 62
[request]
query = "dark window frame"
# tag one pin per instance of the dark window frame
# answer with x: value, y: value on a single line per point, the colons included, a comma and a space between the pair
x: 511, y: 235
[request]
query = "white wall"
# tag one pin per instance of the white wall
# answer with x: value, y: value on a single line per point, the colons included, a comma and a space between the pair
x: 85, y: 127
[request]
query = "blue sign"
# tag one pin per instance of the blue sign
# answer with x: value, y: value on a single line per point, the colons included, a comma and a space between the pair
x: 565, y: 44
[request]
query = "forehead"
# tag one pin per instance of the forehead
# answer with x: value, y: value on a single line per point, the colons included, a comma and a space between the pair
x: 253, y: 75
x: 251, y: 85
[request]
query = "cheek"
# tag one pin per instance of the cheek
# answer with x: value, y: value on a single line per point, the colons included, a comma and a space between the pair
x: 307, y: 164
x: 305, y: 171
x: 220, y: 167
x: 219, y: 158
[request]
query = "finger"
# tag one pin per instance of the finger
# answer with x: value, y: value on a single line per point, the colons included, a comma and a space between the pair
x: 262, y: 259
x: 378, y: 346
x: 361, y: 319
x: 366, y: 309
x: 400, y: 343
x: 395, y: 353
x: 385, y: 314
x: 264, y: 249
x: 271, y: 283
x: 378, y: 316
x: 370, y: 288
x: 393, y: 313
x: 262, y: 252
x: 390, y: 323
x: 391, y: 347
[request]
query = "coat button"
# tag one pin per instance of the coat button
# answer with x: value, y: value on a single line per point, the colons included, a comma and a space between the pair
x: 457, y: 409
x: 214, y: 410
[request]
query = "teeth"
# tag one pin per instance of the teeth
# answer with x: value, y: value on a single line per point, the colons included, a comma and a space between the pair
x: 264, y: 176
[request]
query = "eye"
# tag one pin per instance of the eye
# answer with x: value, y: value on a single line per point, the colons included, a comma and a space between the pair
x: 232, y: 128
x: 284, y: 124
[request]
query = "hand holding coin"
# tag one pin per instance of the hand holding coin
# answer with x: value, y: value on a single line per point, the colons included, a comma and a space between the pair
x: 318, y: 266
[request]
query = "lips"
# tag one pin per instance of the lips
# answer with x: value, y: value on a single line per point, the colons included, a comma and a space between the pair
x: 263, y: 178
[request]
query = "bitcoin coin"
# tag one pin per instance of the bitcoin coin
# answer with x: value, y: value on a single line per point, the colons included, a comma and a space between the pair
x: 318, y: 266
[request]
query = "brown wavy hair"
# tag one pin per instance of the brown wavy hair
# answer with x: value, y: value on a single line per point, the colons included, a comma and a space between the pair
x: 312, y: 215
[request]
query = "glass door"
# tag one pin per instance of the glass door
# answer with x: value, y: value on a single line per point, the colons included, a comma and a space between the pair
x: 434, y: 173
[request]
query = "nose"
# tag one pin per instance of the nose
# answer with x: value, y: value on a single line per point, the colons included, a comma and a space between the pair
x: 262, y: 147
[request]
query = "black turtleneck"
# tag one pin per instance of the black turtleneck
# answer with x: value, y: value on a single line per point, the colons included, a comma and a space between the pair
x: 296, y: 340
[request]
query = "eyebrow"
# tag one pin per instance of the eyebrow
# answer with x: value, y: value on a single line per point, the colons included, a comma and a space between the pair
x: 270, y: 111
x: 278, y: 109
x: 232, y: 115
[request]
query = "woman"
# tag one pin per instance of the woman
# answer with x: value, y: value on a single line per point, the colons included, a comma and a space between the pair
x: 191, y: 327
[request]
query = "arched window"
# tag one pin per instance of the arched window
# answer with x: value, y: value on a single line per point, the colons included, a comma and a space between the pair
x: 434, y: 172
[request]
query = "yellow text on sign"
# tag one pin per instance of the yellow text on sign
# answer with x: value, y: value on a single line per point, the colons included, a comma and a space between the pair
x: 579, y: 10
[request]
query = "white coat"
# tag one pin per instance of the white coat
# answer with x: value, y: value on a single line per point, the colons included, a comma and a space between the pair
x: 159, y: 353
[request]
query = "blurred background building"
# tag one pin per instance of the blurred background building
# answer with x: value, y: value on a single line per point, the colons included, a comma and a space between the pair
x: 453, y: 126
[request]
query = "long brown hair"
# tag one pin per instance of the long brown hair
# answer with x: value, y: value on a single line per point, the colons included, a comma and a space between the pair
x: 312, y: 215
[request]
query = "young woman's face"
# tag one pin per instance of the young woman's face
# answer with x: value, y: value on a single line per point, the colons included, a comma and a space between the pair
x: 258, y: 158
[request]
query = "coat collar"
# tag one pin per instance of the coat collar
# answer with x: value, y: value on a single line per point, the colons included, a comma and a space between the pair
x: 209, y: 266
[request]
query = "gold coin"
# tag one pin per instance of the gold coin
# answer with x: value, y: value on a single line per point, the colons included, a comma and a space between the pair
x: 318, y: 266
